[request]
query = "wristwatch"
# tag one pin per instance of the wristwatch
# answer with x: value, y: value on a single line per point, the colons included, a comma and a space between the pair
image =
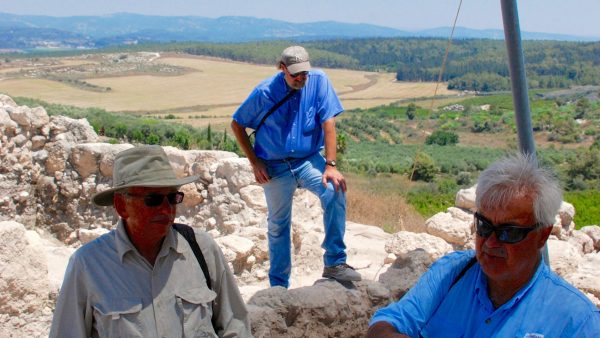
x: 331, y: 163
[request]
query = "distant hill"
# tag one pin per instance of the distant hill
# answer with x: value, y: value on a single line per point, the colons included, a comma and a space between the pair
x: 30, y: 32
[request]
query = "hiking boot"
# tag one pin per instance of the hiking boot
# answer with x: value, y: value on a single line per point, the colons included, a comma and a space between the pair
x: 342, y: 273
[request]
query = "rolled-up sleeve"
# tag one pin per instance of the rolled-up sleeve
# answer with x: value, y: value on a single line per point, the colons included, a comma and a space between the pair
x: 410, y: 314
x: 73, y: 313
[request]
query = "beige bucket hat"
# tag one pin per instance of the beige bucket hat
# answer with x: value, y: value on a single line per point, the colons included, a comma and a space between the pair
x: 144, y: 166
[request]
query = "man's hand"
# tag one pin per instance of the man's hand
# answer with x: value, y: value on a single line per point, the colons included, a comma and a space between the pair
x: 336, y: 178
x: 260, y: 172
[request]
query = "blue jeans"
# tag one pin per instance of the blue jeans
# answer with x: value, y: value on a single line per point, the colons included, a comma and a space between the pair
x: 286, y: 176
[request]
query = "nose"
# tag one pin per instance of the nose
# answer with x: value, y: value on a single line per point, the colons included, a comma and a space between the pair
x: 165, y: 207
x: 492, y: 241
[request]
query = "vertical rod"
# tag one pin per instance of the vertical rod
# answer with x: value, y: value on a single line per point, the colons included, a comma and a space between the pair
x: 516, y: 67
x: 518, y: 80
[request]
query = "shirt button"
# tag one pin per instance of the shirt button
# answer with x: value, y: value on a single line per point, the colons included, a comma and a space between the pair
x: 487, y: 321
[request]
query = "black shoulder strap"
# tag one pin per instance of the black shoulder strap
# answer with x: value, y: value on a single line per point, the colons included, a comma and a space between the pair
x: 470, y: 263
x: 273, y: 109
x: 188, y: 233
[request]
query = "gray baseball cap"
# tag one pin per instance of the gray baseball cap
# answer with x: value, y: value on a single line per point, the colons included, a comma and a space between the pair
x: 296, y: 59
x: 144, y: 166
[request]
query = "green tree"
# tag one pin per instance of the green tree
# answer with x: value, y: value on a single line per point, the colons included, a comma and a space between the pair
x: 423, y: 167
x: 582, y: 105
x: 411, y: 111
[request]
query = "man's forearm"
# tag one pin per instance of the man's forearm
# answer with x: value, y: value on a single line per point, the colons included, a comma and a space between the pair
x: 384, y: 330
x: 330, y: 139
x: 244, y: 141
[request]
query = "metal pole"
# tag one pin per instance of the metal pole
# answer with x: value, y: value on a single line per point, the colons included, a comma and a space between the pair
x: 518, y: 80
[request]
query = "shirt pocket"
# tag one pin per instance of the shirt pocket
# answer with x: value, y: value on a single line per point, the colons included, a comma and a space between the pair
x: 195, y: 308
x: 310, y: 121
x: 118, y: 317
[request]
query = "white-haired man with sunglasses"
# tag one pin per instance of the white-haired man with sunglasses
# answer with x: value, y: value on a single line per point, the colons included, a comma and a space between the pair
x: 293, y: 117
x: 145, y: 278
x: 503, y: 289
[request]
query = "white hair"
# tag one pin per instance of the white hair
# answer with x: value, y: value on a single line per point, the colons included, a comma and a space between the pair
x: 515, y: 175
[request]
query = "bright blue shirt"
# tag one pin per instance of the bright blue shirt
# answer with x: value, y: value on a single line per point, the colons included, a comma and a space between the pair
x: 293, y: 130
x: 547, y: 306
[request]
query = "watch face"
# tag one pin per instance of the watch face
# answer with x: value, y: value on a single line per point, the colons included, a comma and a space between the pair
x: 331, y: 163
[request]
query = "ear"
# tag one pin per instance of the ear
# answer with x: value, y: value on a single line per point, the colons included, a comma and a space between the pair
x: 120, y: 205
x: 544, y: 234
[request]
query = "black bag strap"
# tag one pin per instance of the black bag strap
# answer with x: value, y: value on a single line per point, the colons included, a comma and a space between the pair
x: 460, y: 275
x: 470, y: 263
x: 273, y: 109
x: 188, y: 233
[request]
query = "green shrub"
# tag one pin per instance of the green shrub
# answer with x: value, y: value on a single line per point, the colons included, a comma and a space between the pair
x: 446, y: 186
x: 429, y: 204
x: 587, y: 207
x: 442, y: 138
x: 463, y: 178
x: 584, y: 166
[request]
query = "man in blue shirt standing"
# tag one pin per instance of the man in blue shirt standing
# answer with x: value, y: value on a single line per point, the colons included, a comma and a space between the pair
x: 503, y: 289
x: 293, y: 114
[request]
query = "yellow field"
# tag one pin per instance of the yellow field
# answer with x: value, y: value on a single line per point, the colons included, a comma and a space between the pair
x: 214, y: 88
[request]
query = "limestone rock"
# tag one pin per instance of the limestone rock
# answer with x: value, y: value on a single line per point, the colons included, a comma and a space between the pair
x: 326, y: 309
x: 71, y: 130
x: 193, y: 197
x: 566, y: 212
x: 465, y: 199
x: 405, y: 272
x: 7, y: 101
x: 7, y: 125
x: 254, y: 197
x: 452, y: 230
x: 582, y: 241
x: 236, y: 171
x: 24, y: 285
x: 587, y: 276
x: 593, y: 231
x: 86, y: 157
x: 404, y: 242
x: 88, y: 235
x: 564, y: 257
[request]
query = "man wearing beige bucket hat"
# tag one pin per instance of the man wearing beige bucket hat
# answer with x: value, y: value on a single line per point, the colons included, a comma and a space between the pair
x: 148, y: 277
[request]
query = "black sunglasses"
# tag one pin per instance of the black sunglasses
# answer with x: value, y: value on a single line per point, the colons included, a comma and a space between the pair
x: 505, y: 233
x: 155, y: 199
x: 295, y: 75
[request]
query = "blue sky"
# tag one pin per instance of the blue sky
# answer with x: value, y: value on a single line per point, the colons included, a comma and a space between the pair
x: 573, y: 17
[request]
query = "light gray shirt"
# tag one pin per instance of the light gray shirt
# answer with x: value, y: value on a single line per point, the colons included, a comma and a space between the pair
x: 110, y: 290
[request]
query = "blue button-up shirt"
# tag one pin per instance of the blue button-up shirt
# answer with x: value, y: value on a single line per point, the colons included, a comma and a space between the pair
x: 547, y: 306
x: 293, y: 130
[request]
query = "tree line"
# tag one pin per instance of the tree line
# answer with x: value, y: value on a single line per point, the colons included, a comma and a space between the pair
x: 473, y: 64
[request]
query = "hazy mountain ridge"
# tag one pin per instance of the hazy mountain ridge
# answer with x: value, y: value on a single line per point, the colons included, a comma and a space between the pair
x: 28, y: 32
